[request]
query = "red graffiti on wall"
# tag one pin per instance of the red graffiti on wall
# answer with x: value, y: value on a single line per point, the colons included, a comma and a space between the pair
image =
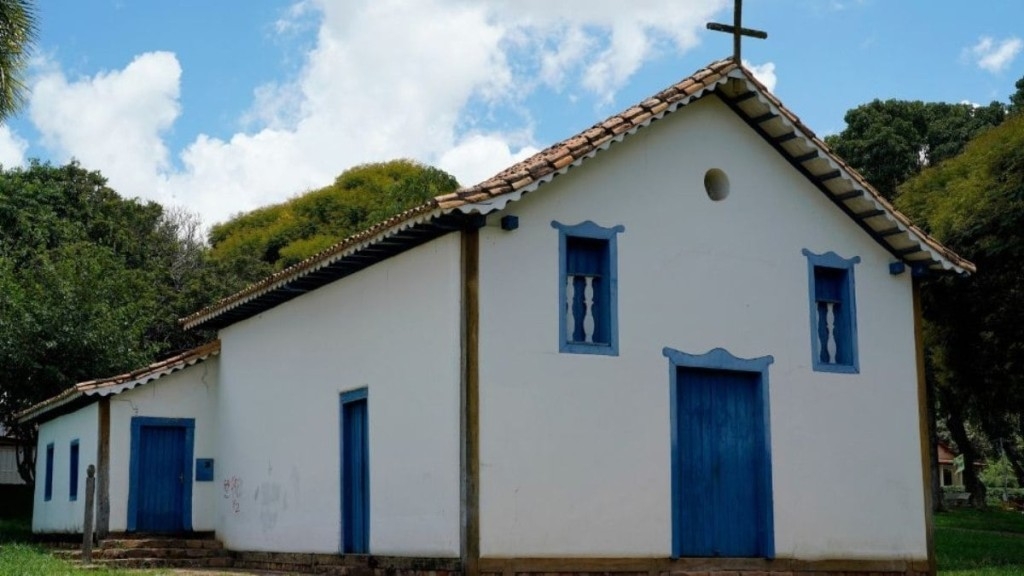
x: 233, y: 492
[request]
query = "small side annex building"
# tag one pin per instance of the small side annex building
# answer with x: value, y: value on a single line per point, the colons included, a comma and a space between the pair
x: 685, y: 339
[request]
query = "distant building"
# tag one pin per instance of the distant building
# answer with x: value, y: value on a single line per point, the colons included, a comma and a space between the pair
x: 949, y: 473
x: 9, y: 459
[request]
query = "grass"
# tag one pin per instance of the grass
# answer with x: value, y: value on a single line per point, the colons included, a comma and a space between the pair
x: 968, y: 543
x: 980, y: 543
x: 18, y: 557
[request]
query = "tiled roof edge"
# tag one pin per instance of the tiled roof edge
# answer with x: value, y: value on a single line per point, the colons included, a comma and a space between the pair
x: 120, y: 383
x: 936, y: 248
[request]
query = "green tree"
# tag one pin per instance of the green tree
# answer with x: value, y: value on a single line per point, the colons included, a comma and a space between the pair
x: 287, y: 233
x: 974, y: 203
x: 17, y: 36
x: 1017, y: 98
x: 91, y: 284
x: 890, y: 141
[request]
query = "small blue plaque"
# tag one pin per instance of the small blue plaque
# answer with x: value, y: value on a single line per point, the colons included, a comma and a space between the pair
x: 204, y: 469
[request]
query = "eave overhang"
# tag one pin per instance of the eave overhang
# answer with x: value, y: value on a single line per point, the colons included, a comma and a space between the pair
x: 85, y: 393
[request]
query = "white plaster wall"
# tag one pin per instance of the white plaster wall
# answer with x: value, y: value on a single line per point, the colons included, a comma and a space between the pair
x: 60, y: 514
x: 392, y: 328
x: 575, y: 449
x: 187, y: 393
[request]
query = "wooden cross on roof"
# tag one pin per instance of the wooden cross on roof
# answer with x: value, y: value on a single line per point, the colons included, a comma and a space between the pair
x: 737, y: 30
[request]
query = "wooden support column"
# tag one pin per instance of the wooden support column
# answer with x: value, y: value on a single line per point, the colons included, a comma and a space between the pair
x: 103, y: 469
x: 470, y: 404
x: 923, y: 426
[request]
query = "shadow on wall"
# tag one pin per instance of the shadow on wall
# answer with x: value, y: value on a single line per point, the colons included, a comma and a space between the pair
x: 15, y: 501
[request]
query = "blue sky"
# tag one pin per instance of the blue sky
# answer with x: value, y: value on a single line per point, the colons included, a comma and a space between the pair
x: 223, y: 106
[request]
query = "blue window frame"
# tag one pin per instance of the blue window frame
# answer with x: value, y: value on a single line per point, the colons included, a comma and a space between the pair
x: 73, y: 471
x: 833, y: 312
x: 48, y: 480
x: 588, y: 314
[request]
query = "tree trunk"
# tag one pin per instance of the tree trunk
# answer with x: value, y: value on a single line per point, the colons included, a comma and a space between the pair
x: 25, y: 452
x: 955, y: 424
x: 933, y: 449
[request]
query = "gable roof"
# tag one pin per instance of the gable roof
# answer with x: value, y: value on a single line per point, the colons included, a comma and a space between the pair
x: 87, y: 392
x: 725, y: 79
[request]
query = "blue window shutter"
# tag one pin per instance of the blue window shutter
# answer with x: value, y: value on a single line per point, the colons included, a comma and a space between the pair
x: 73, y: 472
x: 833, y: 312
x: 48, y: 481
x: 588, y: 267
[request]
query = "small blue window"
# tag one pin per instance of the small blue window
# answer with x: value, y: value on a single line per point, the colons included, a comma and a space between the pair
x: 588, y: 288
x: 833, y: 312
x: 48, y: 480
x: 73, y: 472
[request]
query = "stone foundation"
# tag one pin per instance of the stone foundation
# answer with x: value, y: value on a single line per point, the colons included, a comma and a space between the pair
x: 401, y: 566
x: 334, y: 564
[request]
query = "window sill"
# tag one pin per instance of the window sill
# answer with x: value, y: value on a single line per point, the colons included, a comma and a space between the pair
x: 584, y: 348
x: 837, y: 368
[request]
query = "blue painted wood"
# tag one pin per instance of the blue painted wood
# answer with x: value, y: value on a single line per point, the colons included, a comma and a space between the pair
x: 48, y: 479
x: 204, y: 469
x: 160, y: 474
x: 73, y: 472
x: 831, y: 280
x: 721, y: 455
x: 355, y: 473
x: 588, y: 248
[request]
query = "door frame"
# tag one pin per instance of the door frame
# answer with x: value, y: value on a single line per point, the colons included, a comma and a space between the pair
x: 357, y: 395
x: 722, y: 360
x: 134, y: 474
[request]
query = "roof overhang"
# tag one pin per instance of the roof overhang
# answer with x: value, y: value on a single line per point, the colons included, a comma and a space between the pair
x: 85, y: 393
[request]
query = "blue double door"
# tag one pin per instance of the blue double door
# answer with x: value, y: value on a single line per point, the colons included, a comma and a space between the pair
x: 160, y: 496
x: 721, y: 489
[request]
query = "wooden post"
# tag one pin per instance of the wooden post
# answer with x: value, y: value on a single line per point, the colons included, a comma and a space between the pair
x: 90, y: 491
x: 103, y: 463
x: 470, y: 417
x: 923, y: 426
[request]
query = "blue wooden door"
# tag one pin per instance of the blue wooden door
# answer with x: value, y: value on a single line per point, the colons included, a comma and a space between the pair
x: 162, y: 477
x: 355, y: 475
x: 720, y: 481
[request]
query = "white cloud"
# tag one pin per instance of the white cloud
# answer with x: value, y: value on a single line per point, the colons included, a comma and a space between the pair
x: 386, y: 79
x: 12, y: 148
x: 765, y: 73
x: 994, y: 56
x: 114, y: 120
x: 480, y: 156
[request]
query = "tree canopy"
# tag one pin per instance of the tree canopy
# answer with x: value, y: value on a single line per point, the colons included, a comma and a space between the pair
x: 91, y: 284
x: 974, y: 203
x: 275, y: 237
x: 890, y: 141
x: 17, y: 36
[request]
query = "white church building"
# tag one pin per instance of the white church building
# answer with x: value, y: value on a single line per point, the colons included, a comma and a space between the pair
x: 685, y: 339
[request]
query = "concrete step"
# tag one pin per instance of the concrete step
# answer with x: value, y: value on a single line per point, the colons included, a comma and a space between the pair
x: 149, y: 563
x: 151, y: 543
x: 156, y: 552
